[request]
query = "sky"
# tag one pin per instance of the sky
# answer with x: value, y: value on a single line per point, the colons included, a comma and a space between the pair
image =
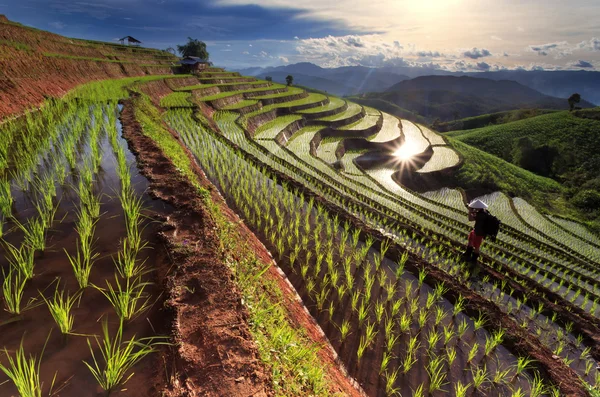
x: 454, y: 35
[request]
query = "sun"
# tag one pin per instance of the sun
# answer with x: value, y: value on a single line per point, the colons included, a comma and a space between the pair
x: 406, y: 151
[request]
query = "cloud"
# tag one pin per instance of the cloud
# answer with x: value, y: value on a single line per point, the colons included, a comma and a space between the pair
x: 483, y: 66
x: 284, y: 60
x: 397, y: 44
x: 592, y: 45
x: 476, y: 53
x: 349, y: 50
x: 559, y: 49
x: 57, y: 25
x: 581, y: 64
x: 429, y: 54
x: 245, y: 53
x: 296, y: 38
x: 496, y: 38
x: 505, y: 54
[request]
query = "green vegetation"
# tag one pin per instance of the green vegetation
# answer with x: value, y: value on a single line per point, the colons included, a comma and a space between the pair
x: 152, y: 126
x: 193, y: 48
x: 118, y: 356
x: 483, y: 169
x: 559, y: 145
x: 24, y: 372
x: 486, y: 120
x: 176, y: 100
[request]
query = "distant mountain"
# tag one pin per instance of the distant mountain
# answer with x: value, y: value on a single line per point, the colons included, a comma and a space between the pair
x: 339, y: 81
x: 554, y: 83
x: 319, y: 83
x: 451, y: 97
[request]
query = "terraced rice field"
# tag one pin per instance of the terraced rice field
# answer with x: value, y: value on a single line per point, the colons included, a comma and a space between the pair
x: 376, y: 264
x: 385, y: 333
x: 442, y: 158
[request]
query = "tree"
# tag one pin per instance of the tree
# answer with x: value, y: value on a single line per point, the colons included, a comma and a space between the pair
x: 170, y: 50
x: 268, y: 78
x: 193, y: 48
x: 573, y: 99
x: 289, y: 79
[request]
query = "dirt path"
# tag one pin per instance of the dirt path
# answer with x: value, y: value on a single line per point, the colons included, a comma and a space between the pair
x: 216, y: 355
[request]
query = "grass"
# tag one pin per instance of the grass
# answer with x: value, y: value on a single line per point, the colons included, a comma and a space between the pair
x: 483, y: 169
x: 559, y: 145
x: 486, y: 120
x: 152, y: 126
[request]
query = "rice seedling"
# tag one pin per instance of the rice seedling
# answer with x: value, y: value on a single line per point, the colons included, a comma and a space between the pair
x: 126, y: 261
x: 344, y: 330
x: 518, y: 393
x: 83, y: 262
x: 24, y: 371
x: 480, y: 377
x: 437, y: 374
x: 35, y: 233
x: 523, y: 364
x: 6, y: 199
x: 12, y: 290
x: 128, y: 300
x: 493, y: 342
x: 538, y: 386
x: 419, y: 391
x: 21, y: 259
x: 118, y: 356
x: 390, y: 381
x: 60, y: 309
x: 473, y: 352
x: 461, y: 390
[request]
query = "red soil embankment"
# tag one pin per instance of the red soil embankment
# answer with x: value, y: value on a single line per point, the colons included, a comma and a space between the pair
x: 35, y: 64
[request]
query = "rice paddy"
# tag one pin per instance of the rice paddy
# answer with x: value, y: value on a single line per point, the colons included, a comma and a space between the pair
x: 376, y: 263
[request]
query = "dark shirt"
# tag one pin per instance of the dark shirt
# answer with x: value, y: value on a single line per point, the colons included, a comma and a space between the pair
x: 479, y: 222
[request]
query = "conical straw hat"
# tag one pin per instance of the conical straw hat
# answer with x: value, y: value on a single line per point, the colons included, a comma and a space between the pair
x: 478, y: 205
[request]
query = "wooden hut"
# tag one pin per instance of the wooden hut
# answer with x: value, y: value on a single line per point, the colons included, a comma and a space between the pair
x: 130, y: 40
x: 193, y: 64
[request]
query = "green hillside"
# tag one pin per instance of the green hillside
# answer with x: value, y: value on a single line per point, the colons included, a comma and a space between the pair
x: 486, y: 120
x: 558, y: 145
x: 483, y: 170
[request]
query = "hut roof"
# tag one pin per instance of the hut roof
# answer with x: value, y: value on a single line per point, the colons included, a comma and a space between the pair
x: 192, y: 60
x: 130, y: 39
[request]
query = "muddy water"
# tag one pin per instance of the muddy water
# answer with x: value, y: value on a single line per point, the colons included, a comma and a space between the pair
x: 65, y: 355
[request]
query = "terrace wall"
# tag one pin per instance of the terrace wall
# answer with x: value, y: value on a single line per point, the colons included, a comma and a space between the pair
x: 250, y: 95
x: 183, y: 82
x: 202, y: 92
x: 226, y: 101
x: 282, y: 99
x: 340, y: 123
x: 288, y: 131
x: 326, y: 113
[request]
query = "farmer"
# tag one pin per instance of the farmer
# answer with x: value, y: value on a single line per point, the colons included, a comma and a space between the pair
x: 478, y: 213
